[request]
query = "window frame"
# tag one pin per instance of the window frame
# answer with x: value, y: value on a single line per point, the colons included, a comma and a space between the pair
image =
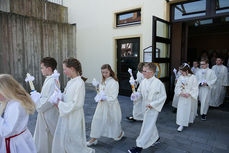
x: 210, y: 11
x: 126, y: 12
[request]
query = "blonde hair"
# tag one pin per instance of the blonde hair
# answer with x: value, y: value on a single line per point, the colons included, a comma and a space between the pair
x: 12, y: 90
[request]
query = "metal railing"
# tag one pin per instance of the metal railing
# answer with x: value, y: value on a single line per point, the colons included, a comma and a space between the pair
x: 60, y: 2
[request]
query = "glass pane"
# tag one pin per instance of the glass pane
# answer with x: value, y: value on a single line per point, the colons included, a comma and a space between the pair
x: 162, y: 70
x: 129, y: 18
x: 162, y: 29
x: 191, y: 9
x: 162, y: 50
x: 222, y: 6
x: 129, y: 50
x: 227, y: 19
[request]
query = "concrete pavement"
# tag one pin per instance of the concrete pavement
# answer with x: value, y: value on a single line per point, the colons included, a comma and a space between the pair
x: 210, y: 136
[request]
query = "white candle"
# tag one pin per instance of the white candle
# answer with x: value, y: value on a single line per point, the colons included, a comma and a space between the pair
x: 30, y: 79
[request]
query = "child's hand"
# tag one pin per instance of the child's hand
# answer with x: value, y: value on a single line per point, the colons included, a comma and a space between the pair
x: 35, y: 96
x: 149, y: 106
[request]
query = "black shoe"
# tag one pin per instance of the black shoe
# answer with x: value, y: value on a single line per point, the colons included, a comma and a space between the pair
x: 203, y: 117
x: 135, y: 150
x: 174, y: 110
x: 131, y: 118
x: 157, y: 142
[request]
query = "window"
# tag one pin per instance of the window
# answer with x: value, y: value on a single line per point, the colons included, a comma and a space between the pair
x: 222, y: 6
x: 199, y: 9
x: 190, y: 9
x: 128, y: 18
x: 128, y: 50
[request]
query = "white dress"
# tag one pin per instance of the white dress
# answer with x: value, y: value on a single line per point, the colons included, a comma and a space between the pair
x: 208, y: 76
x: 186, y: 110
x: 138, y: 107
x: 70, y: 135
x: 175, y: 97
x: 14, y: 122
x: 106, y: 121
x: 152, y: 92
x: 47, y: 117
x: 219, y: 90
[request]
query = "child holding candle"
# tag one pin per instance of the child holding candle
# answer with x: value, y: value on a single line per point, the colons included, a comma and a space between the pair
x: 16, y: 105
x: 152, y: 94
x: 70, y: 135
x: 47, y: 112
x: 107, y: 118
x: 138, y: 108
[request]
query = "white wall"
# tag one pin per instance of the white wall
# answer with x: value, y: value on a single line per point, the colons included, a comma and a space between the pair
x: 96, y: 33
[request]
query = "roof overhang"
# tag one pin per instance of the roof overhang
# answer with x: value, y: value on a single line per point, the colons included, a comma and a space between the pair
x: 175, y: 1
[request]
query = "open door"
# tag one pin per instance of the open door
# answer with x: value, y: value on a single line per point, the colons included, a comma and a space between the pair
x: 161, y: 50
x: 127, y: 57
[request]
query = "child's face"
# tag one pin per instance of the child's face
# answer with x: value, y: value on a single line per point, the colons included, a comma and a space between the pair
x: 105, y: 73
x: 203, y: 65
x: 2, y: 98
x: 195, y: 64
x: 219, y: 61
x: 67, y: 71
x: 184, y: 73
x: 147, y: 73
x: 46, y: 71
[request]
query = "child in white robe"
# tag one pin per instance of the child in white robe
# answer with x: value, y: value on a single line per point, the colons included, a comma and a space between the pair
x: 16, y: 105
x: 175, y: 97
x: 47, y: 116
x: 106, y: 121
x: 70, y: 134
x: 138, y: 107
x: 152, y: 94
x: 219, y: 90
x: 187, y: 91
x: 195, y: 67
x: 206, y: 80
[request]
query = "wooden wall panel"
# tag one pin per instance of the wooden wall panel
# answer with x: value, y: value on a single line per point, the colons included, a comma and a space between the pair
x: 25, y: 40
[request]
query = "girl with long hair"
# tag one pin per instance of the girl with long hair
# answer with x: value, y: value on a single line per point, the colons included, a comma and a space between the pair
x: 106, y: 121
x: 16, y: 105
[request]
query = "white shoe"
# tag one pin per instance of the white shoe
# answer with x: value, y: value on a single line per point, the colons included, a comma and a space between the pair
x: 180, y: 128
x: 92, y: 143
x: 119, y: 138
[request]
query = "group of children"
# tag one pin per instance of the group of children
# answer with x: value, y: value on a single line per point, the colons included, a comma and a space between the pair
x: 60, y: 125
x: 198, y: 84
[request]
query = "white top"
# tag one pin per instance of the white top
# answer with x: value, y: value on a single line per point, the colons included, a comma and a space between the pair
x: 70, y: 134
x: 13, y: 122
x: 47, y: 117
x: 152, y: 92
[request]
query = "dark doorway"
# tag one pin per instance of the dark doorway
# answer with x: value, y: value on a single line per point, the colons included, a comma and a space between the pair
x: 210, y: 37
x: 127, y: 57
